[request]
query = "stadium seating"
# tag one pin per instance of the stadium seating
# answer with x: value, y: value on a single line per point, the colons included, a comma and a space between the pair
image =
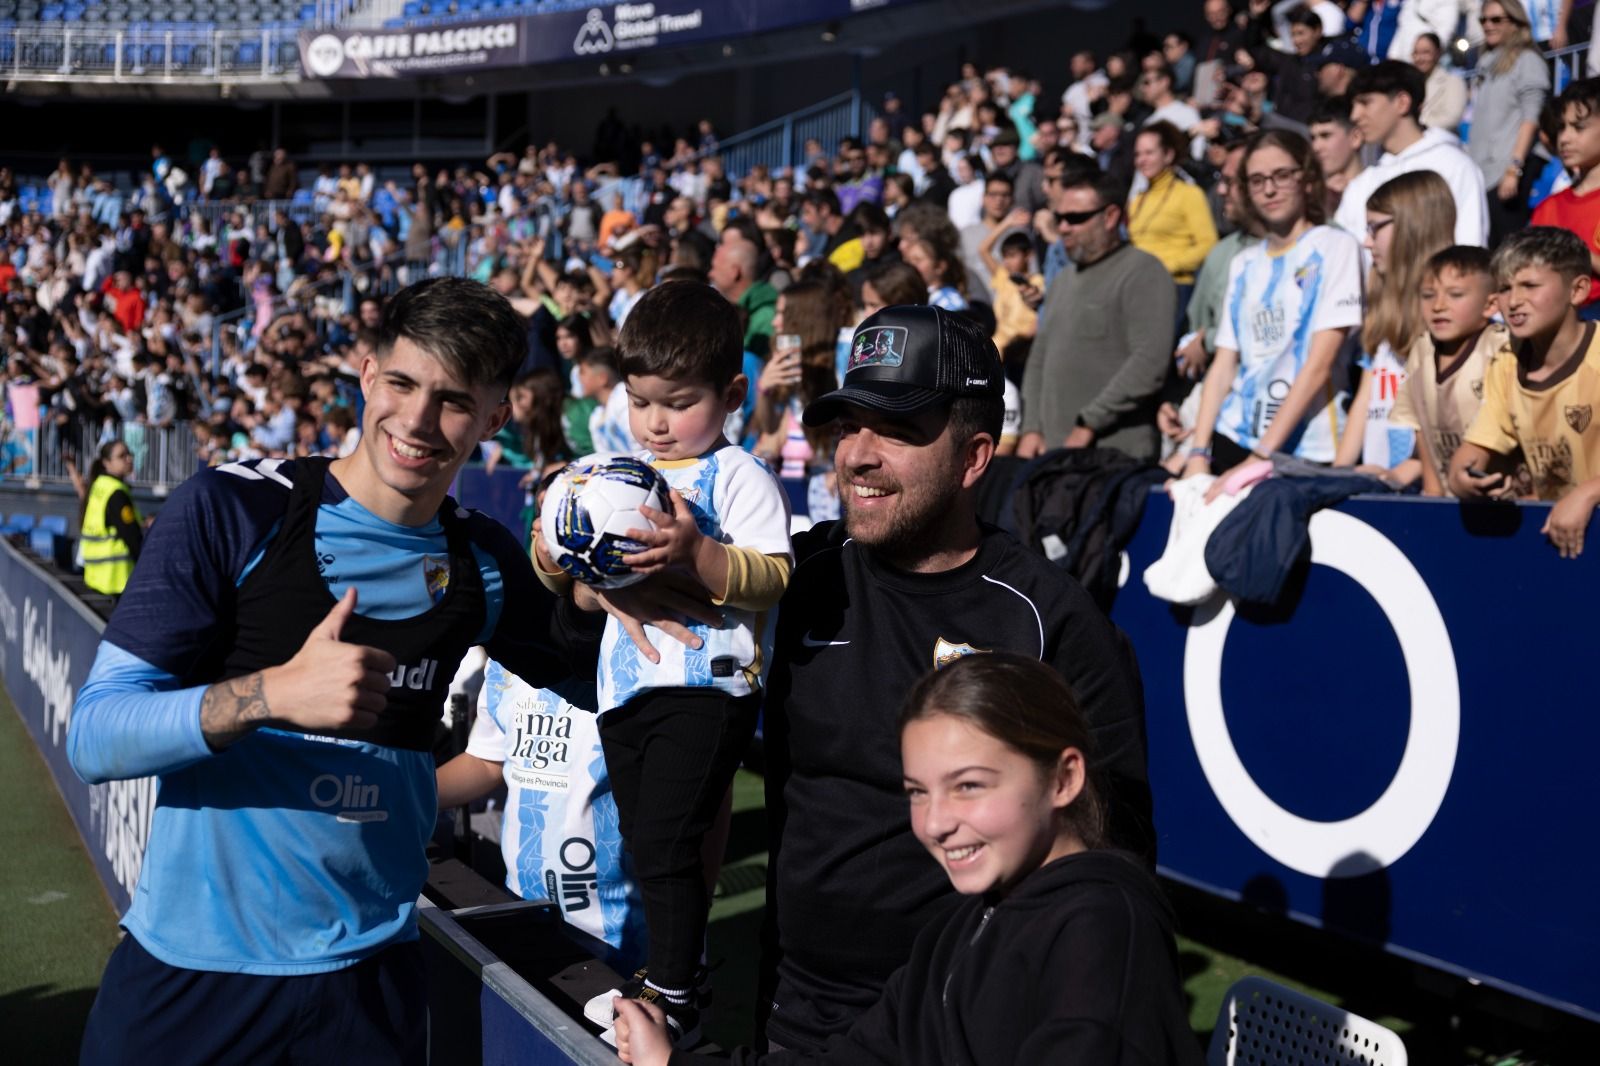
x: 163, y: 14
x: 1262, y: 1022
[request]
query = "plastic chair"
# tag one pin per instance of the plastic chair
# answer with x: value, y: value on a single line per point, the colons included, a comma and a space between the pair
x: 1263, y: 1022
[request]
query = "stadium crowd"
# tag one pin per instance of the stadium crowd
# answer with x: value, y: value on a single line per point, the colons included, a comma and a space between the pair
x: 237, y: 300
x: 988, y: 202
x: 1273, y: 245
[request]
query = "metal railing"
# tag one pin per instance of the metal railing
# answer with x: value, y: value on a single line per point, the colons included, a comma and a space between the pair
x: 163, y: 456
x: 257, y: 212
x: 780, y: 144
x: 137, y: 53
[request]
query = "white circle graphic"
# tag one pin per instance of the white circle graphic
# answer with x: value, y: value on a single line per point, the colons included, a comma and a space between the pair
x: 1381, y: 834
x: 325, y: 55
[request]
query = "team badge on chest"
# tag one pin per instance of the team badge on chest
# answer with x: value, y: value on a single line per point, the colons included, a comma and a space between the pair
x: 436, y: 575
x: 945, y: 652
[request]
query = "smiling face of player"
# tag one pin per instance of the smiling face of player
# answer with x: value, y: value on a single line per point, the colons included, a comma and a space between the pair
x: 421, y: 423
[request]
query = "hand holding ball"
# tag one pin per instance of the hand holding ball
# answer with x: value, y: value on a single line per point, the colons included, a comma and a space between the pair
x: 590, y: 508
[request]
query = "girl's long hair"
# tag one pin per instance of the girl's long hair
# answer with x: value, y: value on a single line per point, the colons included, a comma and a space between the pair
x: 542, y: 437
x: 1424, y: 213
x: 812, y: 311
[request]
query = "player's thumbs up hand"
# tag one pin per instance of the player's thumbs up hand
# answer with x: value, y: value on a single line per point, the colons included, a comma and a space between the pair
x: 332, y: 627
x: 330, y: 684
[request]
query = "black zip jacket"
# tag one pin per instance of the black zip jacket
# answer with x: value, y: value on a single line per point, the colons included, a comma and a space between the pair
x: 1076, y: 966
x: 849, y: 887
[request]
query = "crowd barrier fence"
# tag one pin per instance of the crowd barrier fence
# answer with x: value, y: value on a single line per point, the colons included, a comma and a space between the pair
x: 163, y: 456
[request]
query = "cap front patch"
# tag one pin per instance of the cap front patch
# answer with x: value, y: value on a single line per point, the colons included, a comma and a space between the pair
x: 880, y: 346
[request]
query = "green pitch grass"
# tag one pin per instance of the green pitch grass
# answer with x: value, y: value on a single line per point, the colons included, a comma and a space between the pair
x: 57, y: 927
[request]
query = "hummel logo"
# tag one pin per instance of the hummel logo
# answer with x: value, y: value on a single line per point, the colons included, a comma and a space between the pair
x: 812, y: 642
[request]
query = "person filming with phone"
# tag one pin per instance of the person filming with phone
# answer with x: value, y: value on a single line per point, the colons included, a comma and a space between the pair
x: 802, y: 367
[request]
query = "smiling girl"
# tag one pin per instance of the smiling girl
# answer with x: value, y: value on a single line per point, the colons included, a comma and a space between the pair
x: 1062, y: 950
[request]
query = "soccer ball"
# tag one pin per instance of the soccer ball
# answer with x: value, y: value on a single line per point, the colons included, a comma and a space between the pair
x: 589, y: 510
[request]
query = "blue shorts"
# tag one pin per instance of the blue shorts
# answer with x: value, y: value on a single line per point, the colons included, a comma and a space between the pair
x: 148, y: 1012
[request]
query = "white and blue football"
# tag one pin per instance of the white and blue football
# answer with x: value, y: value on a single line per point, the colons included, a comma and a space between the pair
x: 590, y: 508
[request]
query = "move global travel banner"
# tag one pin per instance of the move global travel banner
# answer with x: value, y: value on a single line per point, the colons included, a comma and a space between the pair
x: 47, y: 644
x: 555, y: 36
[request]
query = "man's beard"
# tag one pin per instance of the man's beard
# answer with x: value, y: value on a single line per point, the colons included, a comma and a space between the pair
x: 905, y: 536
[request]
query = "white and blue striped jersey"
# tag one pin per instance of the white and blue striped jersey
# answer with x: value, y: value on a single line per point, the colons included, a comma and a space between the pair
x: 608, y: 425
x: 561, y: 839
x: 1275, y: 304
x: 736, y: 500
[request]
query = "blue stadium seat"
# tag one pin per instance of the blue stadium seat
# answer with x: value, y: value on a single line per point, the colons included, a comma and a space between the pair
x: 54, y: 523
x: 18, y: 523
x: 42, y: 542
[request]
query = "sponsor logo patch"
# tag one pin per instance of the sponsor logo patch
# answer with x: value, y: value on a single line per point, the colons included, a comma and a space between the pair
x: 881, y: 346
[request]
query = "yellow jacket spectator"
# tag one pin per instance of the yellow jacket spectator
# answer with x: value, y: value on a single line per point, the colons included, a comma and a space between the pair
x: 1171, y: 219
x: 112, y: 532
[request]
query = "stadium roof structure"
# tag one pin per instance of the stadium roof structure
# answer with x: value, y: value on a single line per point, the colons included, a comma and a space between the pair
x: 399, y: 49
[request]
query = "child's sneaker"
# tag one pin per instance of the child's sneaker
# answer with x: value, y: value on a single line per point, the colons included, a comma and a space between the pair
x: 599, y: 1011
x: 683, y: 1019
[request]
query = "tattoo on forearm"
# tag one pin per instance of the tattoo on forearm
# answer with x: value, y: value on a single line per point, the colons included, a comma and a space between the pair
x: 229, y: 709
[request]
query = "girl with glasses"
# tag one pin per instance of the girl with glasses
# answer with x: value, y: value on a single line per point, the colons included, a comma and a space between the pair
x: 1276, y: 382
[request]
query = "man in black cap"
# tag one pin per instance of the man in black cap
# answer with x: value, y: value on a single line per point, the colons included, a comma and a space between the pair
x: 1336, y: 67
x: 908, y: 581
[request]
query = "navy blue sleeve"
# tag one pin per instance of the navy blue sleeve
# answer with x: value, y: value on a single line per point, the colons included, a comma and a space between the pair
x: 540, y: 637
x: 182, y: 589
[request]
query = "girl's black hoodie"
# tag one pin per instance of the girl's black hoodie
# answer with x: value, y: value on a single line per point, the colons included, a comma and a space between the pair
x: 1077, y: 965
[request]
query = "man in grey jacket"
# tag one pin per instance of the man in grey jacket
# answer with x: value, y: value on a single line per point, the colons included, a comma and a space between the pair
x: 1101, y: 355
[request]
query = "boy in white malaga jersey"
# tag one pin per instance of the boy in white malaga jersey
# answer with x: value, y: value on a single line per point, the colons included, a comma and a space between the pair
x: 560, y: 838
x: 675, y: 724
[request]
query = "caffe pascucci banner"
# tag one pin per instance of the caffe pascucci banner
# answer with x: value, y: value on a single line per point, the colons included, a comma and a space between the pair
x: 47, y: 644
x: 555, y: 36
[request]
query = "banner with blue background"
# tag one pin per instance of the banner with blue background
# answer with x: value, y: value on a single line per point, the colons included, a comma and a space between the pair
x: 1405, y: 754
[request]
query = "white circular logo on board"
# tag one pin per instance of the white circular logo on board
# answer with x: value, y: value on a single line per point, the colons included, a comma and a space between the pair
x: 325, y: 55
x: 1385, y: 831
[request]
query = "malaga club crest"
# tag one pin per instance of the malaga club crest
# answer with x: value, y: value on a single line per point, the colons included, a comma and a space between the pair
x: 945, y: 652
